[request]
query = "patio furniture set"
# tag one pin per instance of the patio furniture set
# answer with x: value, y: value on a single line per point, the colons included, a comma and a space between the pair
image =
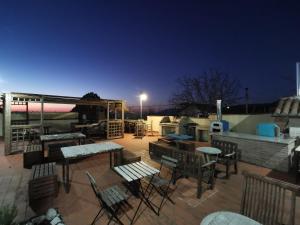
x: 264, y: 200
x: 114, y: 200
x: 178, y: 159
x: 44, y: 181
x: 199, y: 163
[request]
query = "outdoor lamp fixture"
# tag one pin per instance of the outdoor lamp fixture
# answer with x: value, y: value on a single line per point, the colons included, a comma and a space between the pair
x: 143, y: 97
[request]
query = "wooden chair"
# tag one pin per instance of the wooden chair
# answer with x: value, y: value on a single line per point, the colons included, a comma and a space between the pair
x: 268, y: 201
x: 112, y: 200
x: 194, y: 165
x: 228, y: 157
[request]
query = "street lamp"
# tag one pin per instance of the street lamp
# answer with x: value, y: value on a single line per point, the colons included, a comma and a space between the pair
x: 143, y: 97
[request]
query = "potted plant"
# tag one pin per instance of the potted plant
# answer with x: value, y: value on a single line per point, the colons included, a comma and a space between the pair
x: 7, y: 214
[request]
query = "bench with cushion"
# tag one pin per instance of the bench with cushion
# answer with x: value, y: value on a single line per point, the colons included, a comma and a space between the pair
x: 43, y: 182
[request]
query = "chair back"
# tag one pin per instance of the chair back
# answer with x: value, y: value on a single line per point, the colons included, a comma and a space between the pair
x: 186, y: 146
x: 268, y: 201
x: 95, y: 187
x: 188, y: 162
x: 170, y: 163
x: 225, y: 146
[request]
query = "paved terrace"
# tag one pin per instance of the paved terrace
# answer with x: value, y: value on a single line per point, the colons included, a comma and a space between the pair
x: 80, y: 206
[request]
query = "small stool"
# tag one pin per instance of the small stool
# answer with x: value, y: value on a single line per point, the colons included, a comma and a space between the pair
x: 43, y: 182
x: 32, y: 154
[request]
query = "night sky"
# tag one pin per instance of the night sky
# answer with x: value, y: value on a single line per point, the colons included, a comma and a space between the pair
x: 120, y: 48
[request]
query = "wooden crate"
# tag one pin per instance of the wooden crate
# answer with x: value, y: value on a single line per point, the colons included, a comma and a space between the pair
x: 32, y: 154
x: 43, y: 182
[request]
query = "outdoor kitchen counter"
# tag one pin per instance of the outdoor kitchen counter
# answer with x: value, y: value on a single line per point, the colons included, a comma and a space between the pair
x: 279, y: 140
x: 270, y: 152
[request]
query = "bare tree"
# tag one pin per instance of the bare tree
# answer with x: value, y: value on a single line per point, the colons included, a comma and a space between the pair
x: 206, y: 89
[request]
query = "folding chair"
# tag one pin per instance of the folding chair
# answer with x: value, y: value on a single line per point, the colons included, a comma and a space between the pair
x: 112, y: 200
x: 162, y: 184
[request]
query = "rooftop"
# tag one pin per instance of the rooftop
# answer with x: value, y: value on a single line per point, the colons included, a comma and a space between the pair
x: 80, y: 205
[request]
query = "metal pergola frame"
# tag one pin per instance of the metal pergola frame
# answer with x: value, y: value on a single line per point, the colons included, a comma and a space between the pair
x: 15, y: 98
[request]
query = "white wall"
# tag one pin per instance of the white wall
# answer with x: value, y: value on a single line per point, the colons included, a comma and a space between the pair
x: 155, y: 122
x: 237, y: 123
x: 247, y: 123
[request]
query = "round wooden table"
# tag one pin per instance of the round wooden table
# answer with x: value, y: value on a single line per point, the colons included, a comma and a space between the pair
x: 227, y: 218
x: 209, y: 150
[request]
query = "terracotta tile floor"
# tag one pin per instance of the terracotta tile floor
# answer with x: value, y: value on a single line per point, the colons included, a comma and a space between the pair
x: 80, y: 206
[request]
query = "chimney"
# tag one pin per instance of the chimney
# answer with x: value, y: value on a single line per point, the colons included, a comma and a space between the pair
x: 298, y: 78
x: 219, y: 110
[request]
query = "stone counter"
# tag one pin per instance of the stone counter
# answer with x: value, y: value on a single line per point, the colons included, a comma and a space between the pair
x: 269, y: 152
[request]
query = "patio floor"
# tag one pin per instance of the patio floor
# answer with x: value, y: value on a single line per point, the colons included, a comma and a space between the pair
x: 80, y: 206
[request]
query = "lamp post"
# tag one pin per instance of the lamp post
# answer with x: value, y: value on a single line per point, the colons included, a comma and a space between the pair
x: 143, y: 97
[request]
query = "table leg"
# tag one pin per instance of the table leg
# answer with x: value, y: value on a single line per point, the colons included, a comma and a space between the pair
x: 43, y: 148
x: 64, y: 175
x: 143, y: 198
x: 67, y: 176
x: 110, y: 159
x: 65, y: 171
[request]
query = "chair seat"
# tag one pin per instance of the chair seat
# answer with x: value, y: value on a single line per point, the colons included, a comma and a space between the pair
x: 157, y: 181
x: 226, y: 160
x: 113, y: 195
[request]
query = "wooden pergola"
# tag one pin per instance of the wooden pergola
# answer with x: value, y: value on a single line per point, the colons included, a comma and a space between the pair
x: 115, y: 125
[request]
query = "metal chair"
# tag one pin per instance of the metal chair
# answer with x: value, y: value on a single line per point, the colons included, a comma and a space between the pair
x: 112, y: 200
x: 268, y: 201
x: 162, y: 184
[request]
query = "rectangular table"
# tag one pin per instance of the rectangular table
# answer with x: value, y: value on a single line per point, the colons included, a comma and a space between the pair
x: 61, y: 137
x: 134, y: 172
x: 79, y: 151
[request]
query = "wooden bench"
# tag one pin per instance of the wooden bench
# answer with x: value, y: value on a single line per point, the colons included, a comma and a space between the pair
x: 158, y: 148
x: 43, y: 182
x: 32, y: 154
x: 54, y: 151
x: 125, y: 157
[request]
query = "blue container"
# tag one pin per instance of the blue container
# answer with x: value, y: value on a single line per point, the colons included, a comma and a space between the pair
x: 225, y: 125
x: 267, y: 130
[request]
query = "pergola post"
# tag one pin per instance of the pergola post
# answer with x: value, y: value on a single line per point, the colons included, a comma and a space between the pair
x: 123, y: 125
x: 42, y: 115
x: 107, y: 121
x: 7, y: 122
x: 27, y: 114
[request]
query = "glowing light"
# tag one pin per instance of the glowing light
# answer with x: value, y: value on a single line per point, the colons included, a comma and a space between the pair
x: 143, y: 97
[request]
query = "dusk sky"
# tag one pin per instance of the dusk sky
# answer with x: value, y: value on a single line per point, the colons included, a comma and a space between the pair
x: 120, y: 48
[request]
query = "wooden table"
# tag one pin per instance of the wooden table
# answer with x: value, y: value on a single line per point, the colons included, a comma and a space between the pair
x: 209, y: 151
x: 61, y: 137
x: 133, y: 173
x: 80, y: 151
x: 227, y: 218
